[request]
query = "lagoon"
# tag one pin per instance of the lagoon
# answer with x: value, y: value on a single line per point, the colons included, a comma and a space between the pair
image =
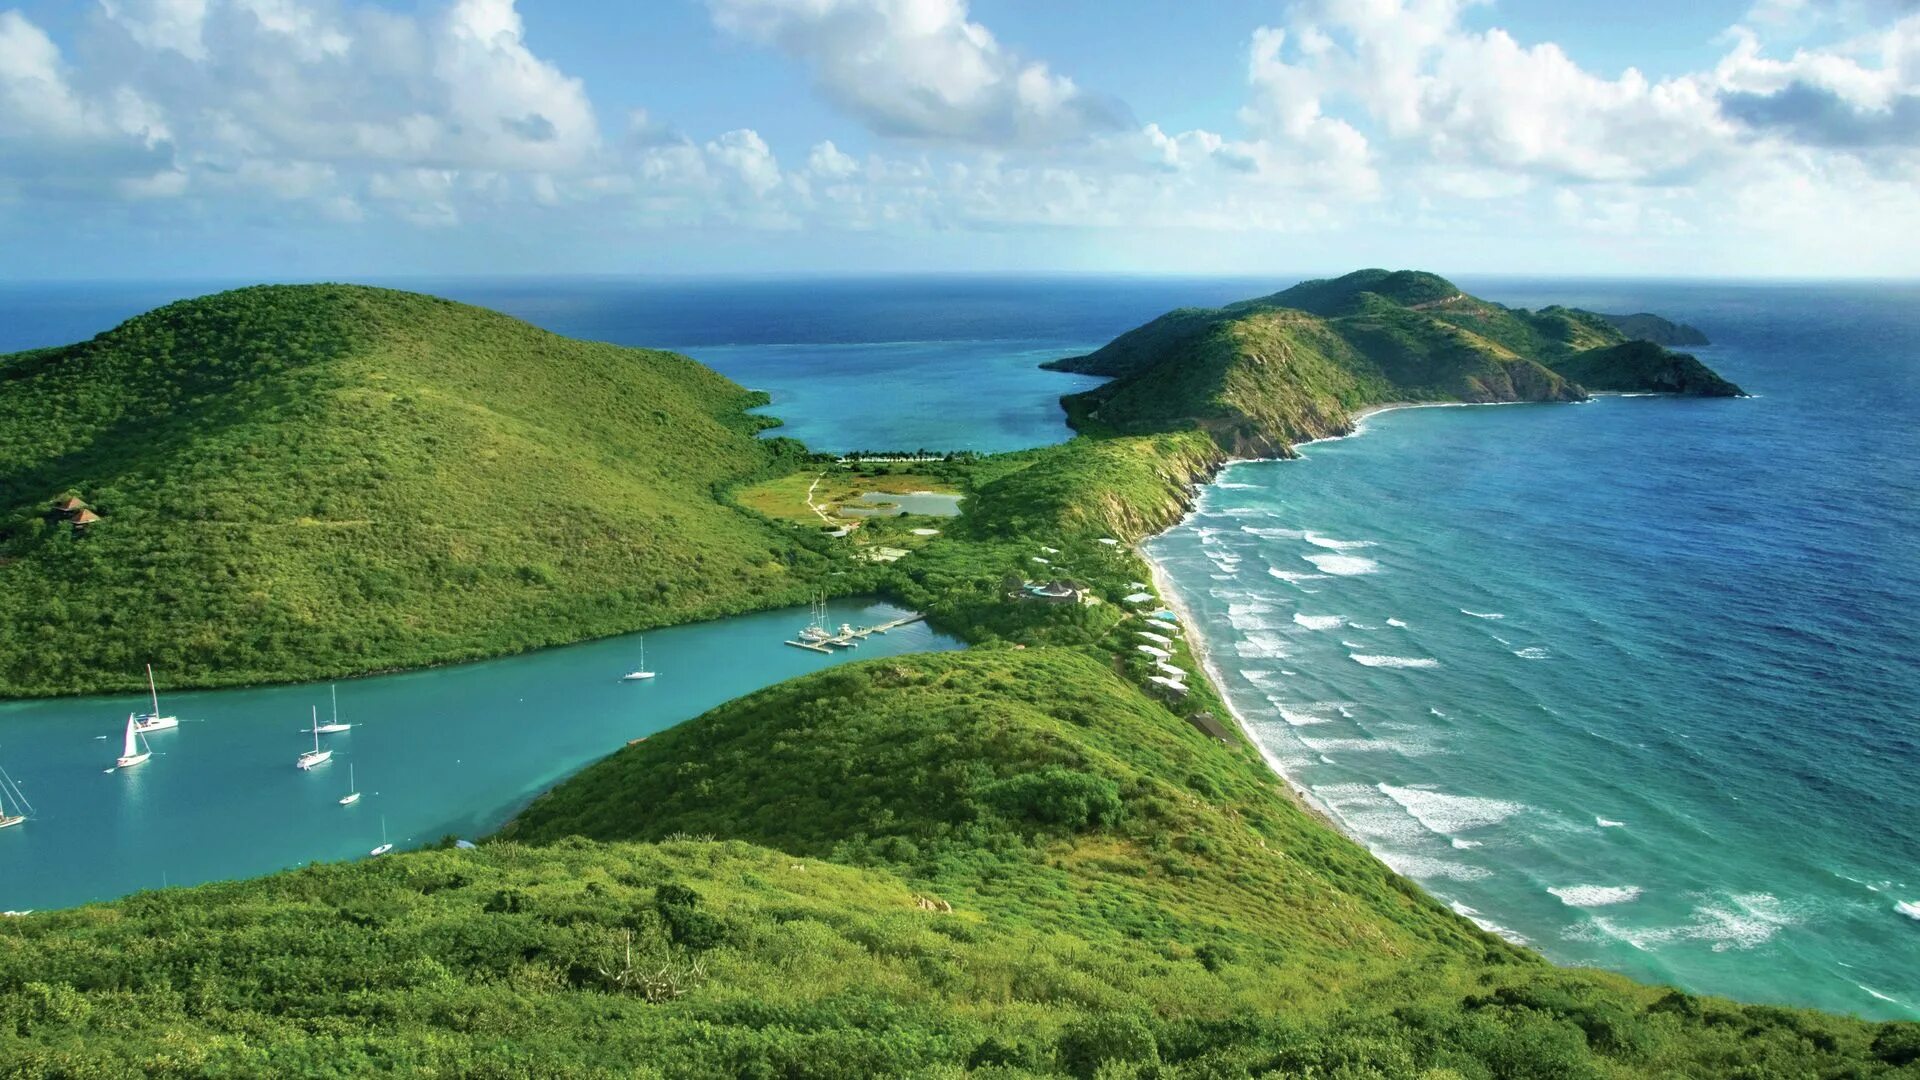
x: 445, y: 751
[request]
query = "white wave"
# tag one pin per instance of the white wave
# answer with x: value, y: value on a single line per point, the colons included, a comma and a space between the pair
x: 1256, y: 676
x: 1745, y: 921
x: 1447, y: 814
x: 1393, y: 661
x: 1300, y: 717
x: 1331, y: 544
x: 1482, y: 614
x: 1287, y: 673
x: 1318, y: 622
x: 1227, y: 486
x: 1366, y: 746
x: 1260, y: 645
x: 1478, y: 920
x: 1343, y: 565
x: 1584, y: 896
x: 1362, y: 626
x: 1248, y: 606
x: 1245, y: 512
x: 1431, y: 711
x: 1351, y: 644
x: 1909, y: 908
x: 1878, y: 994
x: 1430, y: 868
x: 1294, y: 576
x: 1246, y: 622
x: 1397, y: 623
x: 1221, y: 577
x: 1464, y: 844
x: 1606, y: 824
x: 1272, y: 533
x: 1532, y: 653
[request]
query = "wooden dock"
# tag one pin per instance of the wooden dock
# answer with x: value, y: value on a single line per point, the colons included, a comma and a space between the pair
x: 850, y: 638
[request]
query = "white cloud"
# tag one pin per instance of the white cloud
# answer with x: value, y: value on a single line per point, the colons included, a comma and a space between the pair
x: 922, y: 69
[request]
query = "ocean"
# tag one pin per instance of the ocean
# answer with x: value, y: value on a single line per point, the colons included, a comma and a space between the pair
x: 1633, y: 681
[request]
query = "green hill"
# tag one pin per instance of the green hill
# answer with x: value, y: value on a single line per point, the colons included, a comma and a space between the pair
x: 1264, y: 374
x: 999, y: 863
x: 304, y: 482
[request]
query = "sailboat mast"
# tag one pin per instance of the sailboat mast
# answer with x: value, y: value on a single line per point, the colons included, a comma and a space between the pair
x: 154, y: 690
x: 336, y: 701
x: 316, y: 729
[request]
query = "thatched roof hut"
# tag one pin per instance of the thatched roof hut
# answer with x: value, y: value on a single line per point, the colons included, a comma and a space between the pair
x: 70, y: 505
x: 85, y: 518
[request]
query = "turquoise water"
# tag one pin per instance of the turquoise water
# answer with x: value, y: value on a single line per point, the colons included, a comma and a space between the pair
x: 453, y: 750
x: 1631, y: 681
x: 985, y: 396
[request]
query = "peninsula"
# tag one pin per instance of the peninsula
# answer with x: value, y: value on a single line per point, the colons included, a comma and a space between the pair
x: 1039, y: 856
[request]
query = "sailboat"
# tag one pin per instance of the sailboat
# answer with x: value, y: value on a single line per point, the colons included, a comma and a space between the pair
x: 640, y: 672
x: 353, y: 793
x: 153, y: 721
x: 134, y: 751
x: 14, y: 806
x: 316, y: 756
x: 335, y: 725
x: 817, y: 631
x: 384, y: 846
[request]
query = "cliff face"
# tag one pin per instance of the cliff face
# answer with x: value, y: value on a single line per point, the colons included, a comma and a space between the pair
x: 1262, y: 375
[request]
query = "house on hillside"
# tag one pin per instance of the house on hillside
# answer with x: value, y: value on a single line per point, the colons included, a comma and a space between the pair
x: 1052, y: 592
x: 69, y: 506
x: 83, y: 519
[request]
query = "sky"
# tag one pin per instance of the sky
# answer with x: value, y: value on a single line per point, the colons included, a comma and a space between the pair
x: 199, y: 139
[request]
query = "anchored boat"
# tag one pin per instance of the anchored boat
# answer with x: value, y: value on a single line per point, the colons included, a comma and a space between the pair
x: 316, y: 756
x: 153, y: 721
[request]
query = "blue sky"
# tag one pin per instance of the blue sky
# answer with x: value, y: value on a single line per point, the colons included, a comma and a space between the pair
x: 302, y: 138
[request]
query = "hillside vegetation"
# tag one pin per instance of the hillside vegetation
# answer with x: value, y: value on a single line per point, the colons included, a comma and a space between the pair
x: 999, y: 863
x: 305, y: 482
x: 1264, y: 374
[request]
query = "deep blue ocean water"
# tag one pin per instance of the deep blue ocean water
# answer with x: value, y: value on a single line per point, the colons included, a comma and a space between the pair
x: 1682, y: 749
x: 1635, y: 681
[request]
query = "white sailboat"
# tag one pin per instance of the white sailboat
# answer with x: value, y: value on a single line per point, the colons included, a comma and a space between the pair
x: 384, y: 846
x: 334, y: 726
x: 153, y: 721
x: 817, y: 631
x: 640, y: 672
x: 316, y: 756
x: 353, y: 793
x: 134, y: 750
x: 14, y: 806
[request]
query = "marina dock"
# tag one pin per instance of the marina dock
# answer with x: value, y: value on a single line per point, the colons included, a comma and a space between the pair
x: 849, y: 638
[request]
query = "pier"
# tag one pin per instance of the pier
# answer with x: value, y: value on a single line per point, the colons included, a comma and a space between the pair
x: 847, y: 639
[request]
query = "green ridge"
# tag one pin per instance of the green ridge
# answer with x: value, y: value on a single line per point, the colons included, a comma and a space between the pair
x: 284, y: 473
x: 1262, y: 375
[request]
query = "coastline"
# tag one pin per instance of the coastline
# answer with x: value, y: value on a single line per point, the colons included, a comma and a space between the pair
x: 1203, y: 652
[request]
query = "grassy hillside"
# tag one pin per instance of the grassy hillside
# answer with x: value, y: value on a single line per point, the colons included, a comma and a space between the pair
x: 303, y: 482
x: 1003, y: 863
x: 1263, y: 374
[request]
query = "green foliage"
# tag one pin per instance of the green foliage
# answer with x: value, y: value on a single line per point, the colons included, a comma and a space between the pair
x: 293, y: 483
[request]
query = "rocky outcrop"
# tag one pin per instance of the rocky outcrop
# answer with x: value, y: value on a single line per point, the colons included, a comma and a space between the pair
x: 1647, y: 327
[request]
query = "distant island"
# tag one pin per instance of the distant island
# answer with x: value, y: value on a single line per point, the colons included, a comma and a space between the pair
x: 1263, y: 374
x: 1051, y: 854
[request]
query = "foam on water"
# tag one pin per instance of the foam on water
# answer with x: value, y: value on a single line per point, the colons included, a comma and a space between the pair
x: 1483, y: 614
x: 1372, y: 660
x: 1447, y: 814
x: 1318, y: 622
x: 1586, y: 896
x: 1397, y: 624
x: 1343, y: 565
x: 1909, y: 908
x: 1532, y: 653
x: 1294, y: 576
x: 1608, y: 824
x: 1331, y: 544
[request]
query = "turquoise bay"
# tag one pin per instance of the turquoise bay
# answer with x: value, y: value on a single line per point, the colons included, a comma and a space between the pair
x: 446, y: 751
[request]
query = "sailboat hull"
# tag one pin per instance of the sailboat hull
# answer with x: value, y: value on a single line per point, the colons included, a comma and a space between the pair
x: 8, y: 822
x: 332, y: 729
x: 128, y: 761
x: 349, y: 800
x: 636, y: 676
x: 381, y: 850
x: 309, y: 759
x: 149, y: 724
